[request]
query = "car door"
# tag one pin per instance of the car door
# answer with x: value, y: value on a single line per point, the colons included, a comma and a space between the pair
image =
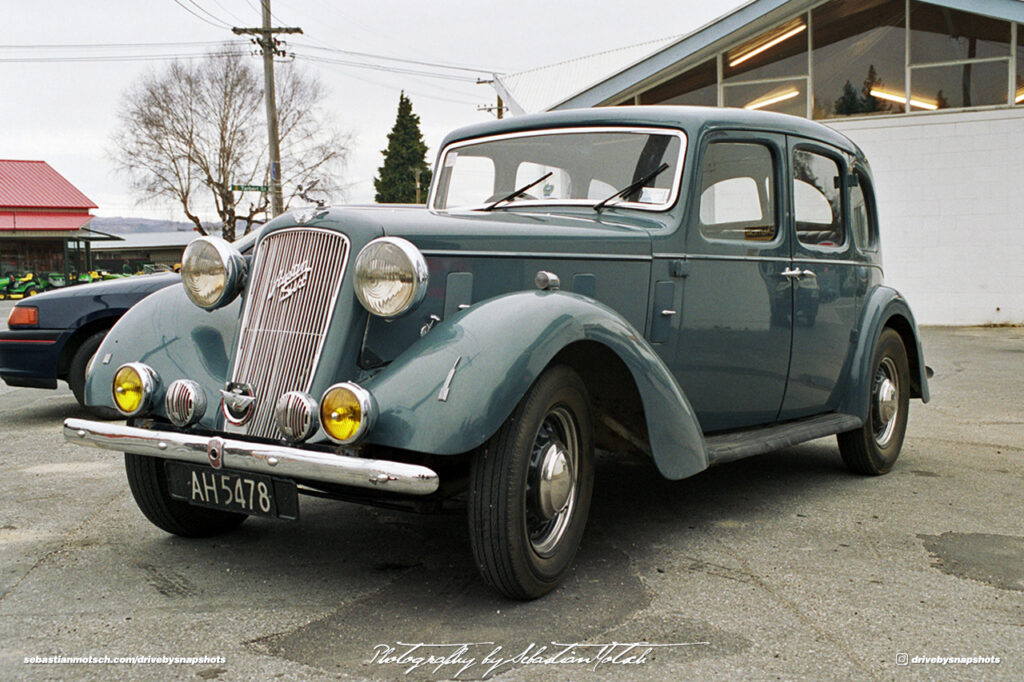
x: 732, y: 354
x: 828, y: 280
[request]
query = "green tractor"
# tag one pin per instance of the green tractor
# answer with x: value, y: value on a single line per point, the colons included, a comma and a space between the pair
x: 22, y: 286
x: 52, y: 280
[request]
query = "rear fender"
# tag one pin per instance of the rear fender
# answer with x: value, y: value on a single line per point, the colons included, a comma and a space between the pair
x: 494, y: 352
x: 885, y: 307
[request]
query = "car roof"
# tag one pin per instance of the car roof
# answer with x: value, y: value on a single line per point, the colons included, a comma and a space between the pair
x: 690, y: 119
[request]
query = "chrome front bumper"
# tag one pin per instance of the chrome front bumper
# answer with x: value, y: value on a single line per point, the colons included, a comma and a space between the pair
x: 273, y: 460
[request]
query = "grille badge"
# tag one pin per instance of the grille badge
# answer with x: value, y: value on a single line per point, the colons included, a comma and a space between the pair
x: 237, y: 402
x: 290, y: 282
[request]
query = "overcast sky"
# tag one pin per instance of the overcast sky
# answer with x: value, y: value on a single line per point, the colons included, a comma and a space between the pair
x: 64, y: 112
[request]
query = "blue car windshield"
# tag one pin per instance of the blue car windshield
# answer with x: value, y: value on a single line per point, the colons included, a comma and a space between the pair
x: 584, y: 166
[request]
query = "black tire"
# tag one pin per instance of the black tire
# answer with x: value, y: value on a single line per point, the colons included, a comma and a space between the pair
x: 148, y: 481
x: 522, y: 548
x: 873, y: 448
x: 76, y: 375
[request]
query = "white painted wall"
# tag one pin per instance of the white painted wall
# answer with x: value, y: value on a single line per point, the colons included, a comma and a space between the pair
x: 950, y: 191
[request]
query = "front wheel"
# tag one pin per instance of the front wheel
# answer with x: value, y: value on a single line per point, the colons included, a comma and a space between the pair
x: 873, y: 448
x: 530, y: 488
x: 148, y: 481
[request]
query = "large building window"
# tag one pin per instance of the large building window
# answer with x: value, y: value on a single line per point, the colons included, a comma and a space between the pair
x: 858, y: 49
x: 1018, y: 91
x: 866, y: 57
x: 957, y: 59
x: 697, y: 87
x: 769, y: 72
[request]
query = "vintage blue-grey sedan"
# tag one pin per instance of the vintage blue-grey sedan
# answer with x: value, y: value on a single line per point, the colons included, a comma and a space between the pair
x: 696, y: 285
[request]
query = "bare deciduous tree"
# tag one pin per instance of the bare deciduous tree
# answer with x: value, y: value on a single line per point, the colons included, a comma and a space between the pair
x: 192, y: 130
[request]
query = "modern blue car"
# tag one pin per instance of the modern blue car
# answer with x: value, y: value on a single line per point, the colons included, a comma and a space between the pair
x: 53, y: 335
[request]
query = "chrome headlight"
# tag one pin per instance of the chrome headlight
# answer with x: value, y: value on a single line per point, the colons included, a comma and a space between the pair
x: 212, y: 272
x: 133, y: 388
x: 347, y: 412
x: 391, y: 276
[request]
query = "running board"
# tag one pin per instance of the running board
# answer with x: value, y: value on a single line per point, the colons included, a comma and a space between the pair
x: 739, y: 444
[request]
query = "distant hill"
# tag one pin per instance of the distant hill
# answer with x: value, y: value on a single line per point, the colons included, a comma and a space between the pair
x: 117, y: 225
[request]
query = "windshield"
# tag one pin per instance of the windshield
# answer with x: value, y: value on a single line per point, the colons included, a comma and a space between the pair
x: 584, y: 166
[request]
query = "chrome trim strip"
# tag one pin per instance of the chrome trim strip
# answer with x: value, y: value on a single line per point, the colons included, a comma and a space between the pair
x: 532, y: 254
x: 640, y: 130
x: 773, y: 259
x: 272, y: 460
x: 442, y: 395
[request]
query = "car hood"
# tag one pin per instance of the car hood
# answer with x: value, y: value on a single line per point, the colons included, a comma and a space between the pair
x: 533, y: 230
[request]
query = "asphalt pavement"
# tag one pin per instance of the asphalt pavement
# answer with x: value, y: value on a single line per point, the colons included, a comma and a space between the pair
x: 783, y: 566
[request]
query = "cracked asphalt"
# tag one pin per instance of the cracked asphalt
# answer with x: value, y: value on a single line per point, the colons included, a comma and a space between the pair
x: 782, y: 566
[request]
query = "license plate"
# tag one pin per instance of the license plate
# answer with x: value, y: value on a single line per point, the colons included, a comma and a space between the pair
x: 236, y: 491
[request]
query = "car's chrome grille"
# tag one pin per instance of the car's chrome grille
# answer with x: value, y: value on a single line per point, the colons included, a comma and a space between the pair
x: 292, y: 290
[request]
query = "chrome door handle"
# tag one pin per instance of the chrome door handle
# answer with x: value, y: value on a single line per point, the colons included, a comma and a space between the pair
x: 796, y: 272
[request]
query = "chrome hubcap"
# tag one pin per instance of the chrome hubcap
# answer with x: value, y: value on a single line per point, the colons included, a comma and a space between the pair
x: 885, y: 401
x: 556, y: 479
x: 551, y: 481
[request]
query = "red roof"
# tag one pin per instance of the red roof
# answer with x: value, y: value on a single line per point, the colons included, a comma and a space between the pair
x: 33, y: 184
x: 9, y: 220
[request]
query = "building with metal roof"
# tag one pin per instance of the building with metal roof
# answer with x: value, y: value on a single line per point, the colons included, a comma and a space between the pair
x: 42, y: 216
x: 931, y: 90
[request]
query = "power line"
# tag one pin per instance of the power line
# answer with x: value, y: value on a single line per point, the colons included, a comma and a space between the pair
x: 420, y: 62
x: 209, y: 14
x: 389, y: 69
x: 348, y: 74
x: 85, y: 46
x: 116, y: 58
x: 199, y: 16
x: 229, y: 12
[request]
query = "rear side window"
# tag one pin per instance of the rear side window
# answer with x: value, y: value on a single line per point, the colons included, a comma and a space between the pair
x: 861, y: 216
x: 737, y: 195
x: 818, y: 199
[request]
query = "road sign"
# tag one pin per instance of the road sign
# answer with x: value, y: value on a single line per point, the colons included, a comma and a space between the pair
x: 249, y: 188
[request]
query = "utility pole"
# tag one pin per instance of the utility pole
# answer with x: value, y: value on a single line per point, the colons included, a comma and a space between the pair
x: 268, y: 46
x: 499, y: 109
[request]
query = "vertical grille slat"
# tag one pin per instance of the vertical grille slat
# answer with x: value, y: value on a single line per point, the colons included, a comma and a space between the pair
x: 281, y: 338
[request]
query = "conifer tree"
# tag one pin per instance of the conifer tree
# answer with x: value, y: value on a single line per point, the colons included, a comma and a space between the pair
x: 404, y: 159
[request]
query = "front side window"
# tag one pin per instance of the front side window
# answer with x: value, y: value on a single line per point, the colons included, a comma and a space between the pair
x: 817, y: 200
x: 737, y: 196
x: 581, y: 167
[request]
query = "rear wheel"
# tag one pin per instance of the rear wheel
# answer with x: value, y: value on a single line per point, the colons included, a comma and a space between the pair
x: 530, y: 488
x: 148, y: 481
x: 873, y: 448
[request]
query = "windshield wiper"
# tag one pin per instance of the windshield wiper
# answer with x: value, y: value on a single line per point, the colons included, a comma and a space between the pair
x: 518, y: 192
x: 632, y: 187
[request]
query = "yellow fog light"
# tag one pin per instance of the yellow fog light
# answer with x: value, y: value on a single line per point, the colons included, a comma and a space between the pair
x: 347, y: 412
x: 134, y: 385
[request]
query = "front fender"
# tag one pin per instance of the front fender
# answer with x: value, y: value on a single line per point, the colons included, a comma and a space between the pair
x: 501, y: 346
x: 169, y: 333
x: 884, y: 307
